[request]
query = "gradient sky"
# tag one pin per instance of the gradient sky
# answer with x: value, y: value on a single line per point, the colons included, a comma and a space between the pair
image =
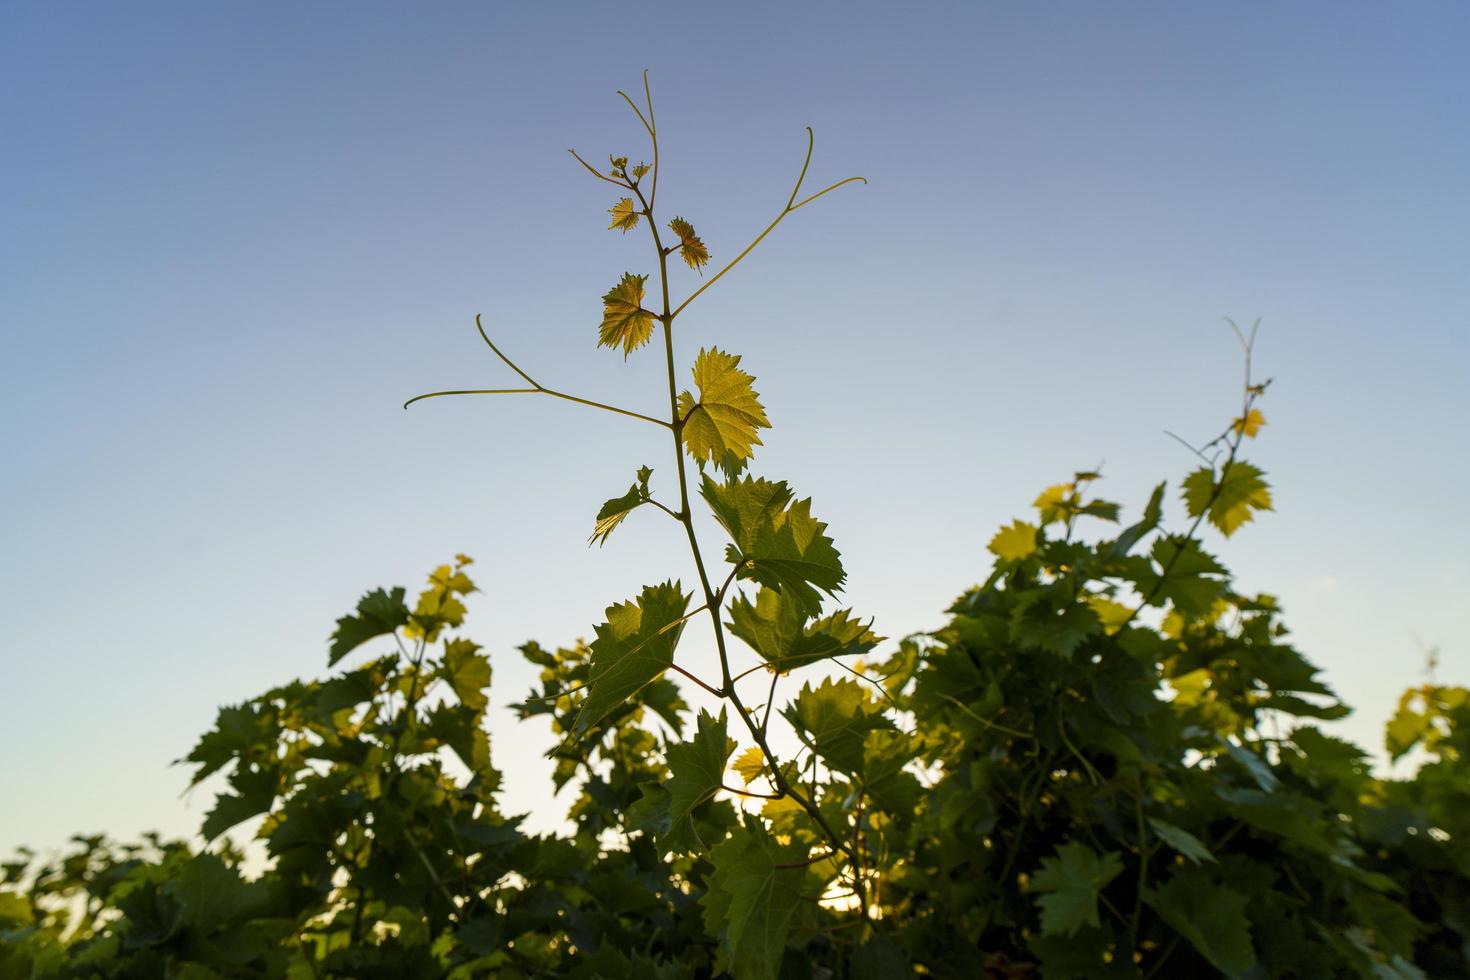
x: 235, y: 237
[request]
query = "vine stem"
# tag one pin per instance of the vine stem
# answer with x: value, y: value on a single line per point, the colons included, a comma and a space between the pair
x: 536, y: 387
x: 792, y: 204
x: 685, y: 515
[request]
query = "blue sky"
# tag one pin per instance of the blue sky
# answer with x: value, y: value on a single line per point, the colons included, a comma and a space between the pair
x: 236, y: 237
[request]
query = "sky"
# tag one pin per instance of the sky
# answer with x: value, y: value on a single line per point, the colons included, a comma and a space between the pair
x: 235, y: 238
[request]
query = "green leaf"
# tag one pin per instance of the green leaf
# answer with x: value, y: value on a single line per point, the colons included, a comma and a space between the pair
x: 378, y: 614
x: 782, y: 547
x: 468, y: 672
x: 1152, y: 514
x: 211, y: 894
x: 613, y: 512
x: 691, y: 247
x: 776, y: 627
x: 1211, y: 916
x: 835, y: 718
x: 624, y: 215
x: 1182, y: 841
x: 751, y: 904
x: 1070, y: 884
x: 696, y: 772
x: 722, y: 425
x: 625, y: 323
x: 1035, y: 623
x: 634, y: 646
x: 1242, y: 492
x: 1015, y: 542
x: 750, y: 764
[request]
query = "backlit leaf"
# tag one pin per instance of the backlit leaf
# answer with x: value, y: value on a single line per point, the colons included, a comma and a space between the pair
x: 467, y: 671
x: 749, y: 764
x: 614, y: 510
x: 378, y: 614
x: 1241, y: 492
x: 696, y: 772
x: 625, y: 323
x: 624, y: 217
x: 774, y: 541
x: 726, y: 418
x: 634, y: 646
x: 834, y: 718
x: 1249, y: 425
x: 751, y: 904
x: 691, y: 247
x: 1015, y: 542
x: 776, y: 627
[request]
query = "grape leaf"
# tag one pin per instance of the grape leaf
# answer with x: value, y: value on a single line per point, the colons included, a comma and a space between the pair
x: 614, y: 510
x: 775, y: 627
x: 776, y: 542
x: 724, y: 421
x: 467, y: 671
x: 696, y: 772
x: 1182, y: 841
x: 625, y: 323
x: 1070, y: 884
x: 1211, y: 916
x: 624, y: 218
x: 749, y: 764
x: 751, y: 904
x: 1249, y: 425
x: 834, y: 718
x: 378, y: 614
x: 634, y: 646
x: 1242, y: 492
x: 691, y: 247
x: 1036, y: 623
x: 1015, y: 542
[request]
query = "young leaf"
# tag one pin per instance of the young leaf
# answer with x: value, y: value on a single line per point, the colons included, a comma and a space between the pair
x: 728, y: 414
x: 691, y: 247
x: 1242, y: 492
x: 776, y: 627
x: 468, y: 672
x: 634, y: 646
x: 1211, y: 916
x: 1249, y: 425
x: 613, y: 512
x: 751, y: 903
x: 1015, y: 542
x: 749, y: 764
x: 1070, y: 884
x: 624, y: 217
x: 378, y: 614
x: 780, y: 546
x: 625, y: 323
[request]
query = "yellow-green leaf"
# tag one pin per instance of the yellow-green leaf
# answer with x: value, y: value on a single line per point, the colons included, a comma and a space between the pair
x: 1241, y: 492
x: 1015, y: 542
x: 725, y: 419
x: 749, y: 764
x: 624, y: 218
x: 691, y: 247
x: 625, y: 323
x: 1249, y: 424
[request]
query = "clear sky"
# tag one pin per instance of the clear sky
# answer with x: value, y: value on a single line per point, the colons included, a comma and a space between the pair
x: 235, y: 237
